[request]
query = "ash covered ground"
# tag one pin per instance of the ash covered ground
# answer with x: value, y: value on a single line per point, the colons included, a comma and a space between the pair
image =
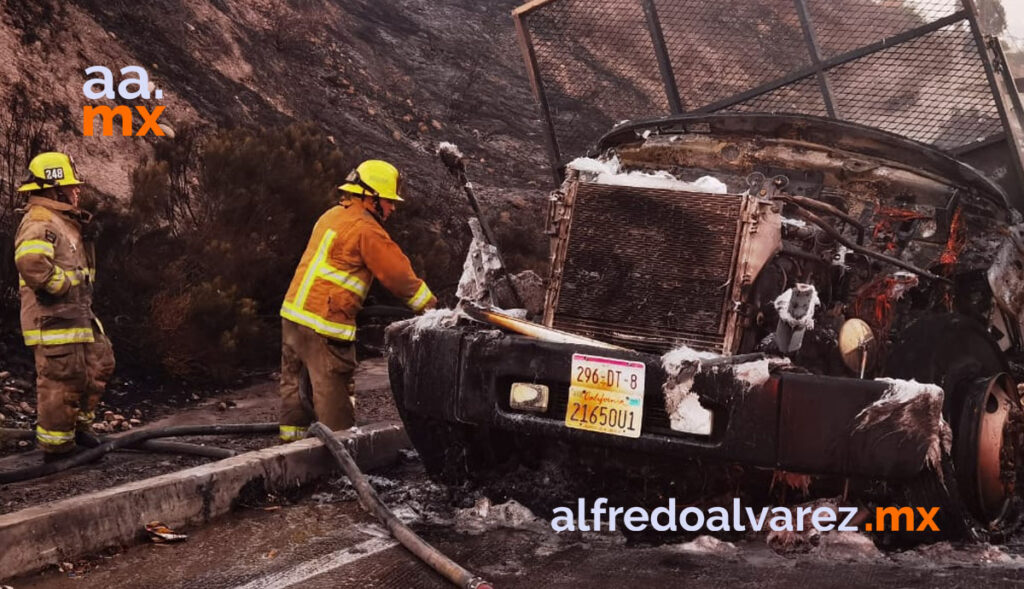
x: 507, y: 544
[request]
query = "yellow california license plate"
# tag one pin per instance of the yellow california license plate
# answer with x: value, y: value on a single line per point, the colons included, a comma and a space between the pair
x: 606, y: 395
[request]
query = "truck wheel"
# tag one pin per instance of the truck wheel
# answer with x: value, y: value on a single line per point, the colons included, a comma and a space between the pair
x: 442, y: 447
x: 987, y: 452
x: 981, y: 407
x: 452, y: 454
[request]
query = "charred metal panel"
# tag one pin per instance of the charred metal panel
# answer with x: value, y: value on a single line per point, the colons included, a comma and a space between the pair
x: 817, y: 418
x: 649, y: 268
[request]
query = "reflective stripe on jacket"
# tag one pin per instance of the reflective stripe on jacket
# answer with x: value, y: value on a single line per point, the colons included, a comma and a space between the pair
x: 347, y: 250
x: 55, y: 275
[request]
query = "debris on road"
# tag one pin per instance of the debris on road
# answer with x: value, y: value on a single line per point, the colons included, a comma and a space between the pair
x: 160, y: 533
x: 485, y: 516
x: 848, y: 547
x: 372, y: 503
x: 708, y: 545
x: 805, y: 536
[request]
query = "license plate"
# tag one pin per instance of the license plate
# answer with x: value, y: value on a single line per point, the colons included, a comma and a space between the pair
x: 606, y: 395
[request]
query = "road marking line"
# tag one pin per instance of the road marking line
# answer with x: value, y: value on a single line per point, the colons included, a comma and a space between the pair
x: 319, y: 566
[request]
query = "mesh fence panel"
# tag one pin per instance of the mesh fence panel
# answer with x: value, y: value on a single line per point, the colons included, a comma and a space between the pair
x: 845, y: 25
x: 724, y: 47
x: 803, y: 96
x: 598, y: 64
x: 932, y: 89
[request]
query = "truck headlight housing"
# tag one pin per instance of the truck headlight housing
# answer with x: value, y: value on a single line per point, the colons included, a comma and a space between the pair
x: 527, y: 396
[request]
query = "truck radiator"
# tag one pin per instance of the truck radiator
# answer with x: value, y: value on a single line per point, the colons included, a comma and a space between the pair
x: 646, y: 268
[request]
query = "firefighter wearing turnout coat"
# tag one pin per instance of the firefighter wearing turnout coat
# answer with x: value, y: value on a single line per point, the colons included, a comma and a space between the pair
x: 57, y: 269
x: 347, y: 250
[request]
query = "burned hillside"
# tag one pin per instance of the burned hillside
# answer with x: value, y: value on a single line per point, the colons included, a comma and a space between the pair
x: 364, y: 79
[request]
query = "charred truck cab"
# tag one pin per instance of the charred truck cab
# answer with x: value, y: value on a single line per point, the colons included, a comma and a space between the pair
x: 785, y: 292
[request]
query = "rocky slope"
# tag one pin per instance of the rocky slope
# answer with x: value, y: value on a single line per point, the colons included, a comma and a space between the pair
x: 391, y: 76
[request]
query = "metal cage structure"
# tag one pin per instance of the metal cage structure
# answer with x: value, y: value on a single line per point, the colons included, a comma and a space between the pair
x: 921, y: 69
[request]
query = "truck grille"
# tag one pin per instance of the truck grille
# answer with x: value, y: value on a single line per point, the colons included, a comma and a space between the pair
x: 649, y: 268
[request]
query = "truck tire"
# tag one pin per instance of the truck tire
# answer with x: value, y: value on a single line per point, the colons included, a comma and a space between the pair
x: 444, y: 448
x: 454, y: 454
x: 987, y: 453
x: 957, y: 353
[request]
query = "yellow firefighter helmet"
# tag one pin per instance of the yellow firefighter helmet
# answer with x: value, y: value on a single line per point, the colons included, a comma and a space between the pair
x: 50, y: 169
x: 375, y: 178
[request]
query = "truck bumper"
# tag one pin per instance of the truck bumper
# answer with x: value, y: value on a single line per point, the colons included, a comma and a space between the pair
x: 794, y: 422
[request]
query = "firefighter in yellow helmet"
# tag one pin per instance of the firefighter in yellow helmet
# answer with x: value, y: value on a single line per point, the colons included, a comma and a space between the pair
x: 347, y: 250
x: 57, y: 270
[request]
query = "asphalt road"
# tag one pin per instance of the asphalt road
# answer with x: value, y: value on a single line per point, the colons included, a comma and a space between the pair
x: 324, y: 540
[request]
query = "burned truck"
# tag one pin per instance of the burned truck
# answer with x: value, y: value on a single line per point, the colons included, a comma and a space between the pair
x: 788, y: 293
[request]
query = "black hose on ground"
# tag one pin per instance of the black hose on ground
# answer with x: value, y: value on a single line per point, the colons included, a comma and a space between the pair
x: 158, y: 446
x: 168, y: 447
x: 372, y: 503
x: 14, y: 433
x: 131, y: 439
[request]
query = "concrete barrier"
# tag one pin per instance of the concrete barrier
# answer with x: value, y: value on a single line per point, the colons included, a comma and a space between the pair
x: 34, y: 538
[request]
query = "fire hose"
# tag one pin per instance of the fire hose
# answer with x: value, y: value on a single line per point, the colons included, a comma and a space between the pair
x: 157, y: 446
x: 132, y: 440
x: 372, y: 503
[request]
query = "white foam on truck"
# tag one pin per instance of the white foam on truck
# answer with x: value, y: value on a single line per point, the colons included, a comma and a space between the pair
x: 609, y: 172
x: 1006, y: 274
x: 432, y: 319
x: 681, y: 365
x: 798, y: 223
x: 915, y: 409
x: 902, y: 283
x: 754, y: 373
x: 682, y: 405
x: 805, y: 322
x: 481, y: 265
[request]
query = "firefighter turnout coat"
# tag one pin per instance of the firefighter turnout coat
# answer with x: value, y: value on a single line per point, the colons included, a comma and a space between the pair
x: 347, y: 250
x: 56, y: 271
x: 74, y: 359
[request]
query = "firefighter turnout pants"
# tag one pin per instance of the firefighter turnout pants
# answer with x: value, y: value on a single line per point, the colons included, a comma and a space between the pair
x: 70, y: 379
x: 331, y: 365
